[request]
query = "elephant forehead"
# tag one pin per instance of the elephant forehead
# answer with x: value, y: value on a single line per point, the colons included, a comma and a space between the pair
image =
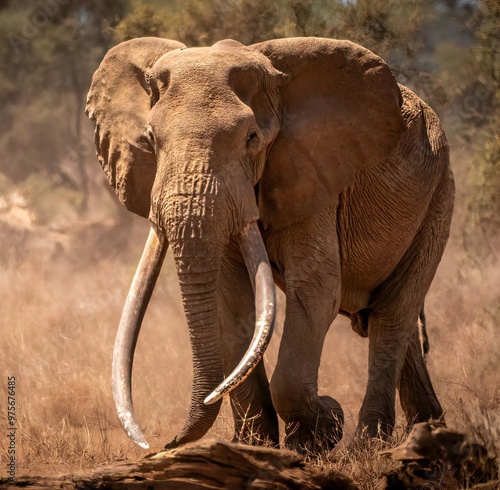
x: 215, y: 63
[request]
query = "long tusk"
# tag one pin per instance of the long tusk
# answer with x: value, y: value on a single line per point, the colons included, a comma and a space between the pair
x: 130, y: 324
x: 257, y: 262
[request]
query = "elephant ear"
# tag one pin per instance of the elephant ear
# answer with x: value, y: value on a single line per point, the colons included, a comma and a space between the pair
x: 119, y: 102
x: 341, y: 113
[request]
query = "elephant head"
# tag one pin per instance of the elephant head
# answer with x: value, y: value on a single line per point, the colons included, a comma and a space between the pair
x: 205, y: 142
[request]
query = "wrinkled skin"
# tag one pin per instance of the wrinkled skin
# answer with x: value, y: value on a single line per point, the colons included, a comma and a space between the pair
x: 345, y: 171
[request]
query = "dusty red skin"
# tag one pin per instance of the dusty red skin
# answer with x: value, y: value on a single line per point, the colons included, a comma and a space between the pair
x: 347, y: 175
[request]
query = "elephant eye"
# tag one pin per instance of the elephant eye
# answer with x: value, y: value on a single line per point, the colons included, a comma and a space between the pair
x: 152, y: 89
x: 151, y: 136
x: 252, y: 136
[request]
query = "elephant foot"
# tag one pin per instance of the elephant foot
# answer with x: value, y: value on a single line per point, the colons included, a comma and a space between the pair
x: 319, y: 433
x: 375, y: 427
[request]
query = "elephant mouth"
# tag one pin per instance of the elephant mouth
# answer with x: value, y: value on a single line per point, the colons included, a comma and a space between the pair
x: 257, y: 263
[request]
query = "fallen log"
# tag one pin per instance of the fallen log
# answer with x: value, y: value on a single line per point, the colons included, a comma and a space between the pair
x: 434, y: 456
x: 209, y: 464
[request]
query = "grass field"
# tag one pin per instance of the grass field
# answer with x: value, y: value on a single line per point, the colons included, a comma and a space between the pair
x: 61, y: 296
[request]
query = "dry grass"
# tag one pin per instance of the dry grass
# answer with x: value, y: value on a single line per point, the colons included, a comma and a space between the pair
x: 61, y: 298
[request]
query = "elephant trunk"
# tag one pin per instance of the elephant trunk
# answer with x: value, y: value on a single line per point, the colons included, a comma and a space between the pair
x: 200, y: 212
x: 198, y: 282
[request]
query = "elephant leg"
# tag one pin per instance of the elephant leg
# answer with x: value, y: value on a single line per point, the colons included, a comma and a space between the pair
x: 394, y: 348
x: 255, y: 418
x: 388, y: 344
x: 417, y: 396
x: 310, y: 267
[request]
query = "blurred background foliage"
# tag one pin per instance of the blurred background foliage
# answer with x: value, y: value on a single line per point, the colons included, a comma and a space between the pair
x: 448, y: 51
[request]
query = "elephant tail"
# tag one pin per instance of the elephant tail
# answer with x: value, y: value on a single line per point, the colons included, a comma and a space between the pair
x: 424, y: 337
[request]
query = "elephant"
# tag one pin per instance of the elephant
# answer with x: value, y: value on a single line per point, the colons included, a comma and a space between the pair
x: 299, y: 163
